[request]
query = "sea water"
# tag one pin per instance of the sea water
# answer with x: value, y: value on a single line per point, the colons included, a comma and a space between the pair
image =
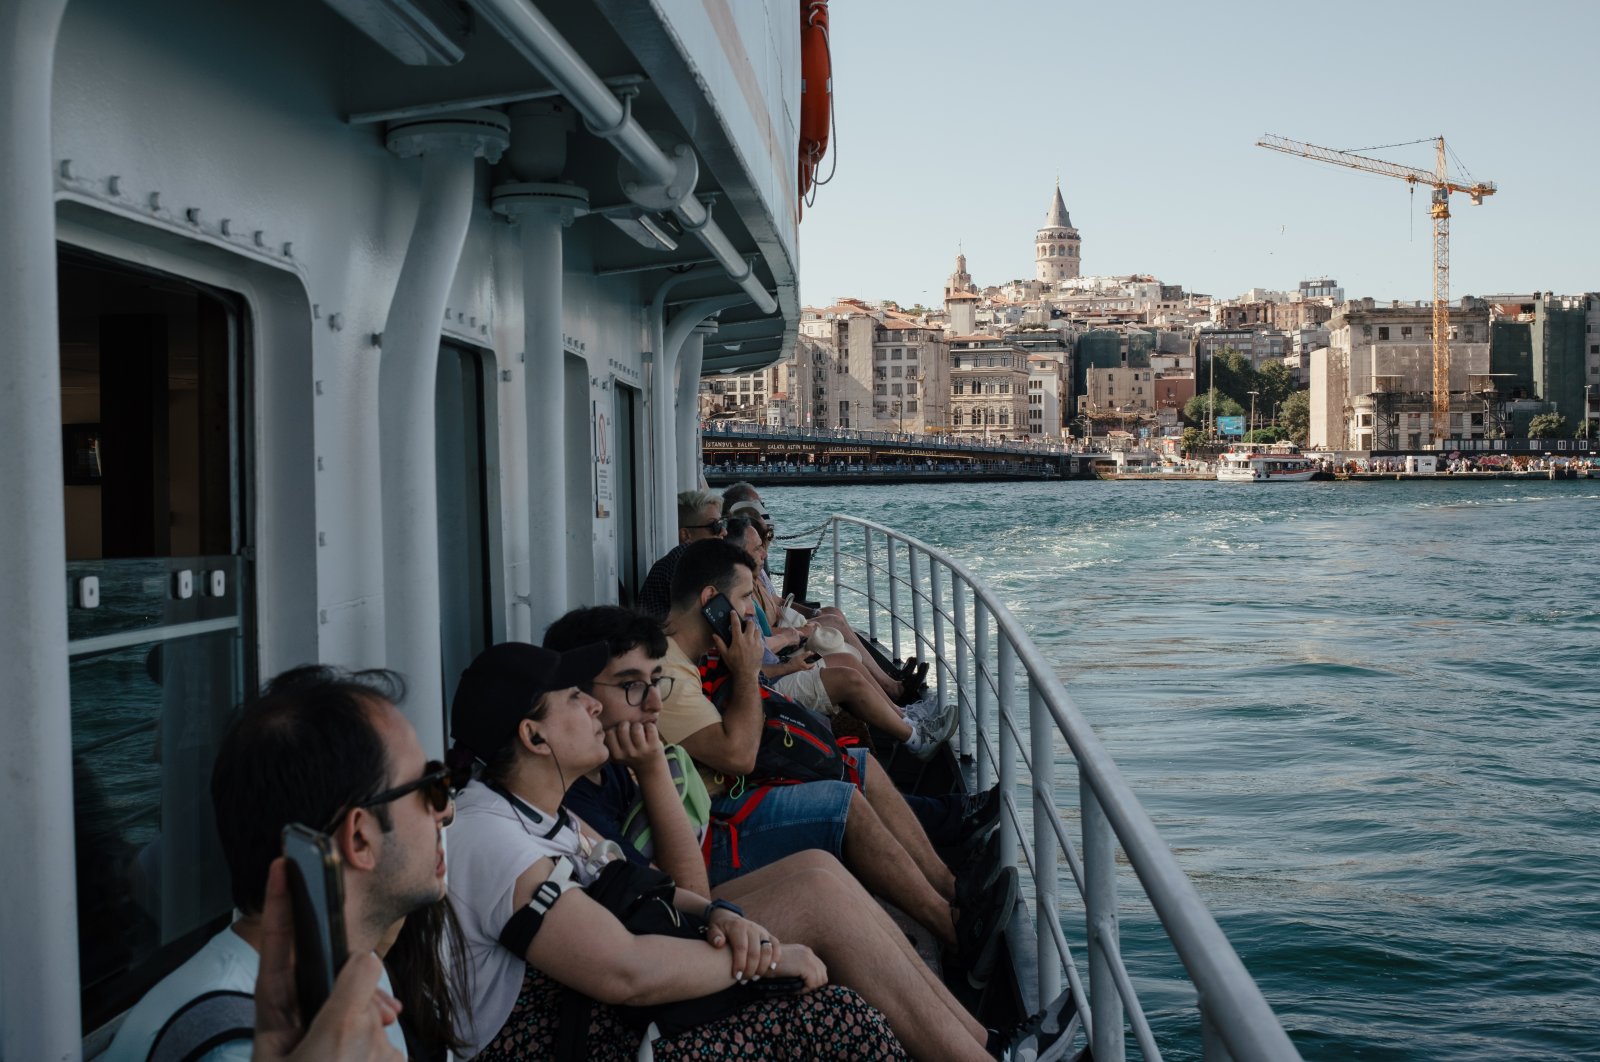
x: 1366, y: 716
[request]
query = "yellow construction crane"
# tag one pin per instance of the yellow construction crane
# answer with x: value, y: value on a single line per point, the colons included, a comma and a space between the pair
x: 1442, y: 184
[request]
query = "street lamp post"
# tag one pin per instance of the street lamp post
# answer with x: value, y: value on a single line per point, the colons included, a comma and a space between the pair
x: 1253, y: 410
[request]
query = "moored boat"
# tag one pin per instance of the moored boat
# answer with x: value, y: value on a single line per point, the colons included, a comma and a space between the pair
x: 1252, y: 467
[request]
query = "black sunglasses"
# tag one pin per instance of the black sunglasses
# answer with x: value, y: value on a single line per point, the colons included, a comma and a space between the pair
x: 716, y: 527
x: 434, y: 786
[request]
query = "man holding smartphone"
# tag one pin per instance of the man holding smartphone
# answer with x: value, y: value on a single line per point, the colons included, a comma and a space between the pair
x: 329, y: 750
x: 867, y: 826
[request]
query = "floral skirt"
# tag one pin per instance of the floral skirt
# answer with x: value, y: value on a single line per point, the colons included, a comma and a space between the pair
x: 830, y: 1023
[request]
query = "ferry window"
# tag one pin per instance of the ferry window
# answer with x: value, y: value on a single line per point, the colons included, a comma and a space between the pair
x: 153, y: 409
x: 464, y: 462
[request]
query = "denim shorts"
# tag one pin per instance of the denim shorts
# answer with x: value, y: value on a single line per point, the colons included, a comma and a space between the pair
x: 789, y: 819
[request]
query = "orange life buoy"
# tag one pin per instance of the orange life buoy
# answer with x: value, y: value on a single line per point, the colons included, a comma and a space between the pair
x: 816, y: 90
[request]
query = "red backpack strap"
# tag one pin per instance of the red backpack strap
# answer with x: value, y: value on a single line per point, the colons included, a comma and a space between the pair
x: 731, y: 824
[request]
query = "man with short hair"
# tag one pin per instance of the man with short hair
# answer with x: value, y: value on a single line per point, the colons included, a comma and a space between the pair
x: 742, y: 499
x: 329, y: 750
x: 807, y: 897
x: 699, y: 517
x: 867, y: 825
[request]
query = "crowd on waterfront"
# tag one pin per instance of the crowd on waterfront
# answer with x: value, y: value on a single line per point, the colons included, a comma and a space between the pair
x: 668, y: 822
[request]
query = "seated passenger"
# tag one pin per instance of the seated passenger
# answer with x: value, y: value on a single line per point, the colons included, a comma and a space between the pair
x: 330, y: 750
x: 517, y: 859
x: 867, y: 825
x: 699, y: 517
x: 808, y: 897
x: 908, y: 688
x: 845, y: 684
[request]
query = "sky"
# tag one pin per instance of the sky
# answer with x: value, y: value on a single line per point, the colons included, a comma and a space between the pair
x: 955, y: 120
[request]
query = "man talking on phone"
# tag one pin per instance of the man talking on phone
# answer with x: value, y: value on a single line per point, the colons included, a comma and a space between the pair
x: 329, y: 750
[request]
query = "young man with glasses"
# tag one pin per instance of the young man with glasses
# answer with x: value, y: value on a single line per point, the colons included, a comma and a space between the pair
x: 326, y: 749
x: 809, y: 897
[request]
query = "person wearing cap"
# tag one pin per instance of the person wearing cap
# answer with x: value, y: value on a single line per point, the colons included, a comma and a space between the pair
x: 807, y: 897
x: 868, y: 826
x: 520, y: 718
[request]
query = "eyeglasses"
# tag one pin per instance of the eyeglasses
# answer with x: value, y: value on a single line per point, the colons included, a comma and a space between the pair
x: 434, y: 785
x: 635, y: 692
x: 716, y: 527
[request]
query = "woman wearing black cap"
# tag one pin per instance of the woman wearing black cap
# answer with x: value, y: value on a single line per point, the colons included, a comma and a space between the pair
x: 518, y: 862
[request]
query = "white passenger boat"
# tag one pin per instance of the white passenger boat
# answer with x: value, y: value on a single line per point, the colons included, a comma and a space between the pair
x: 1253, y: 467
x: 371, y: 332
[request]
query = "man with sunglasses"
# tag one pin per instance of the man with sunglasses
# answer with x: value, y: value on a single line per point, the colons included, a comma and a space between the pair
x: 326, y: 749
x: 699, y: 517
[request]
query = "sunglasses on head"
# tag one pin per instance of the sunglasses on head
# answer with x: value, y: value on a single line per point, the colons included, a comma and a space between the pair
x: 434, y: 786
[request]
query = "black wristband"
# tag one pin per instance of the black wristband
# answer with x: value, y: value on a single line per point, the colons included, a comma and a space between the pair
x: 722, y: 905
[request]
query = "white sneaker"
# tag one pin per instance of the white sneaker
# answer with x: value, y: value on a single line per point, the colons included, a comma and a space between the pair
x: 937, y: 720
x: 921, y: 743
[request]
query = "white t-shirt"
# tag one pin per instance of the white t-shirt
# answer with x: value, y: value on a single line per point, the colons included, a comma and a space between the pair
x: 226, y: 964
x: 491, y: 845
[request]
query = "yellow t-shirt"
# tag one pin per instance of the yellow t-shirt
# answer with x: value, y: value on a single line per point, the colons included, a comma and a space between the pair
x: 688, y: 711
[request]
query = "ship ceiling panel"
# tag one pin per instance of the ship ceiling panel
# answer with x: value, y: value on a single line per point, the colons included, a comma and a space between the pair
x: 492, y: 72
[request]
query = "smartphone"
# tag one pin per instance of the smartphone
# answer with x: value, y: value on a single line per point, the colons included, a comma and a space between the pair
x: 316, y: 886
x: 719, y: 613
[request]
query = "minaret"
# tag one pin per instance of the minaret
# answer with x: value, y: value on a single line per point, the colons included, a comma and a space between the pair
x: 1056, y: 245
x: 961, y: 300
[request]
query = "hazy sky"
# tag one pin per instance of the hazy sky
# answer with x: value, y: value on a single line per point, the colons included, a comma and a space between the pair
x: 955, y: 118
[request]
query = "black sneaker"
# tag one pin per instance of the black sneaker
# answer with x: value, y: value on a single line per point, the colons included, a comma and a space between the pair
x: 979, y: 814
x: 981, y: 922
x: 1043, y: 1037
x: 981, y: 865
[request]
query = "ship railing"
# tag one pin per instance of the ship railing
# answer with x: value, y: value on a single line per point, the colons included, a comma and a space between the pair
x: 1015, y: 714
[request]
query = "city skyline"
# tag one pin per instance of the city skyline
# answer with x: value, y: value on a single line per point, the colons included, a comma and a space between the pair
x: 954, y: 140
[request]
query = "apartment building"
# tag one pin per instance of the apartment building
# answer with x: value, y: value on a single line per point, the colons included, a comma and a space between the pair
x: 988, y: 386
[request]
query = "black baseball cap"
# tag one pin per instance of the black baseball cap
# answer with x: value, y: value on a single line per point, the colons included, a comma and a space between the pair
x: 500, y: 686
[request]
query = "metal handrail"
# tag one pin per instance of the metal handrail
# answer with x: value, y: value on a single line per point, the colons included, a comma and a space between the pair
x: 1236, y: 1020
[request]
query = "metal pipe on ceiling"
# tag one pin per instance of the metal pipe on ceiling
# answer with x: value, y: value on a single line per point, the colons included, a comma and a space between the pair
x: 533, y: 36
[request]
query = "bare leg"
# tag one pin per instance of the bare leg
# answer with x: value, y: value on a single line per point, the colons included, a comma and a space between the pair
x: 887, y: 870
x: 902, y: 822
x: 805, y: 900
x: 856, y: 694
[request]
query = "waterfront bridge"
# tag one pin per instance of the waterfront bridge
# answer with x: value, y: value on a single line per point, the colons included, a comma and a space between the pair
x: 766, y: 455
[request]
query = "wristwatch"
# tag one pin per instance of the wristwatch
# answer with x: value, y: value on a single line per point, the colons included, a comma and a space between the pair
x: 722, y: 905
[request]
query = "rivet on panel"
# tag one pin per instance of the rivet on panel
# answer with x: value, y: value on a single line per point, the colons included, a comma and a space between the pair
x: 377, y: 339
x: 155, y: 200
x: 193, y: 214
x: 288, y: 250
x: 505, y: 375
x: 336, y: 322
x: 225, y: 226
x: 113, y: 185
x: 322, y: 538
x: 322, y: 615
x: 483, y: 330
x: 472, y: 322
x: 319, y: 387
x: 316, y: 311
x: 320, y: 465
x: 66, y: 169
x: 259, y: 237
x: 522, y: 356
